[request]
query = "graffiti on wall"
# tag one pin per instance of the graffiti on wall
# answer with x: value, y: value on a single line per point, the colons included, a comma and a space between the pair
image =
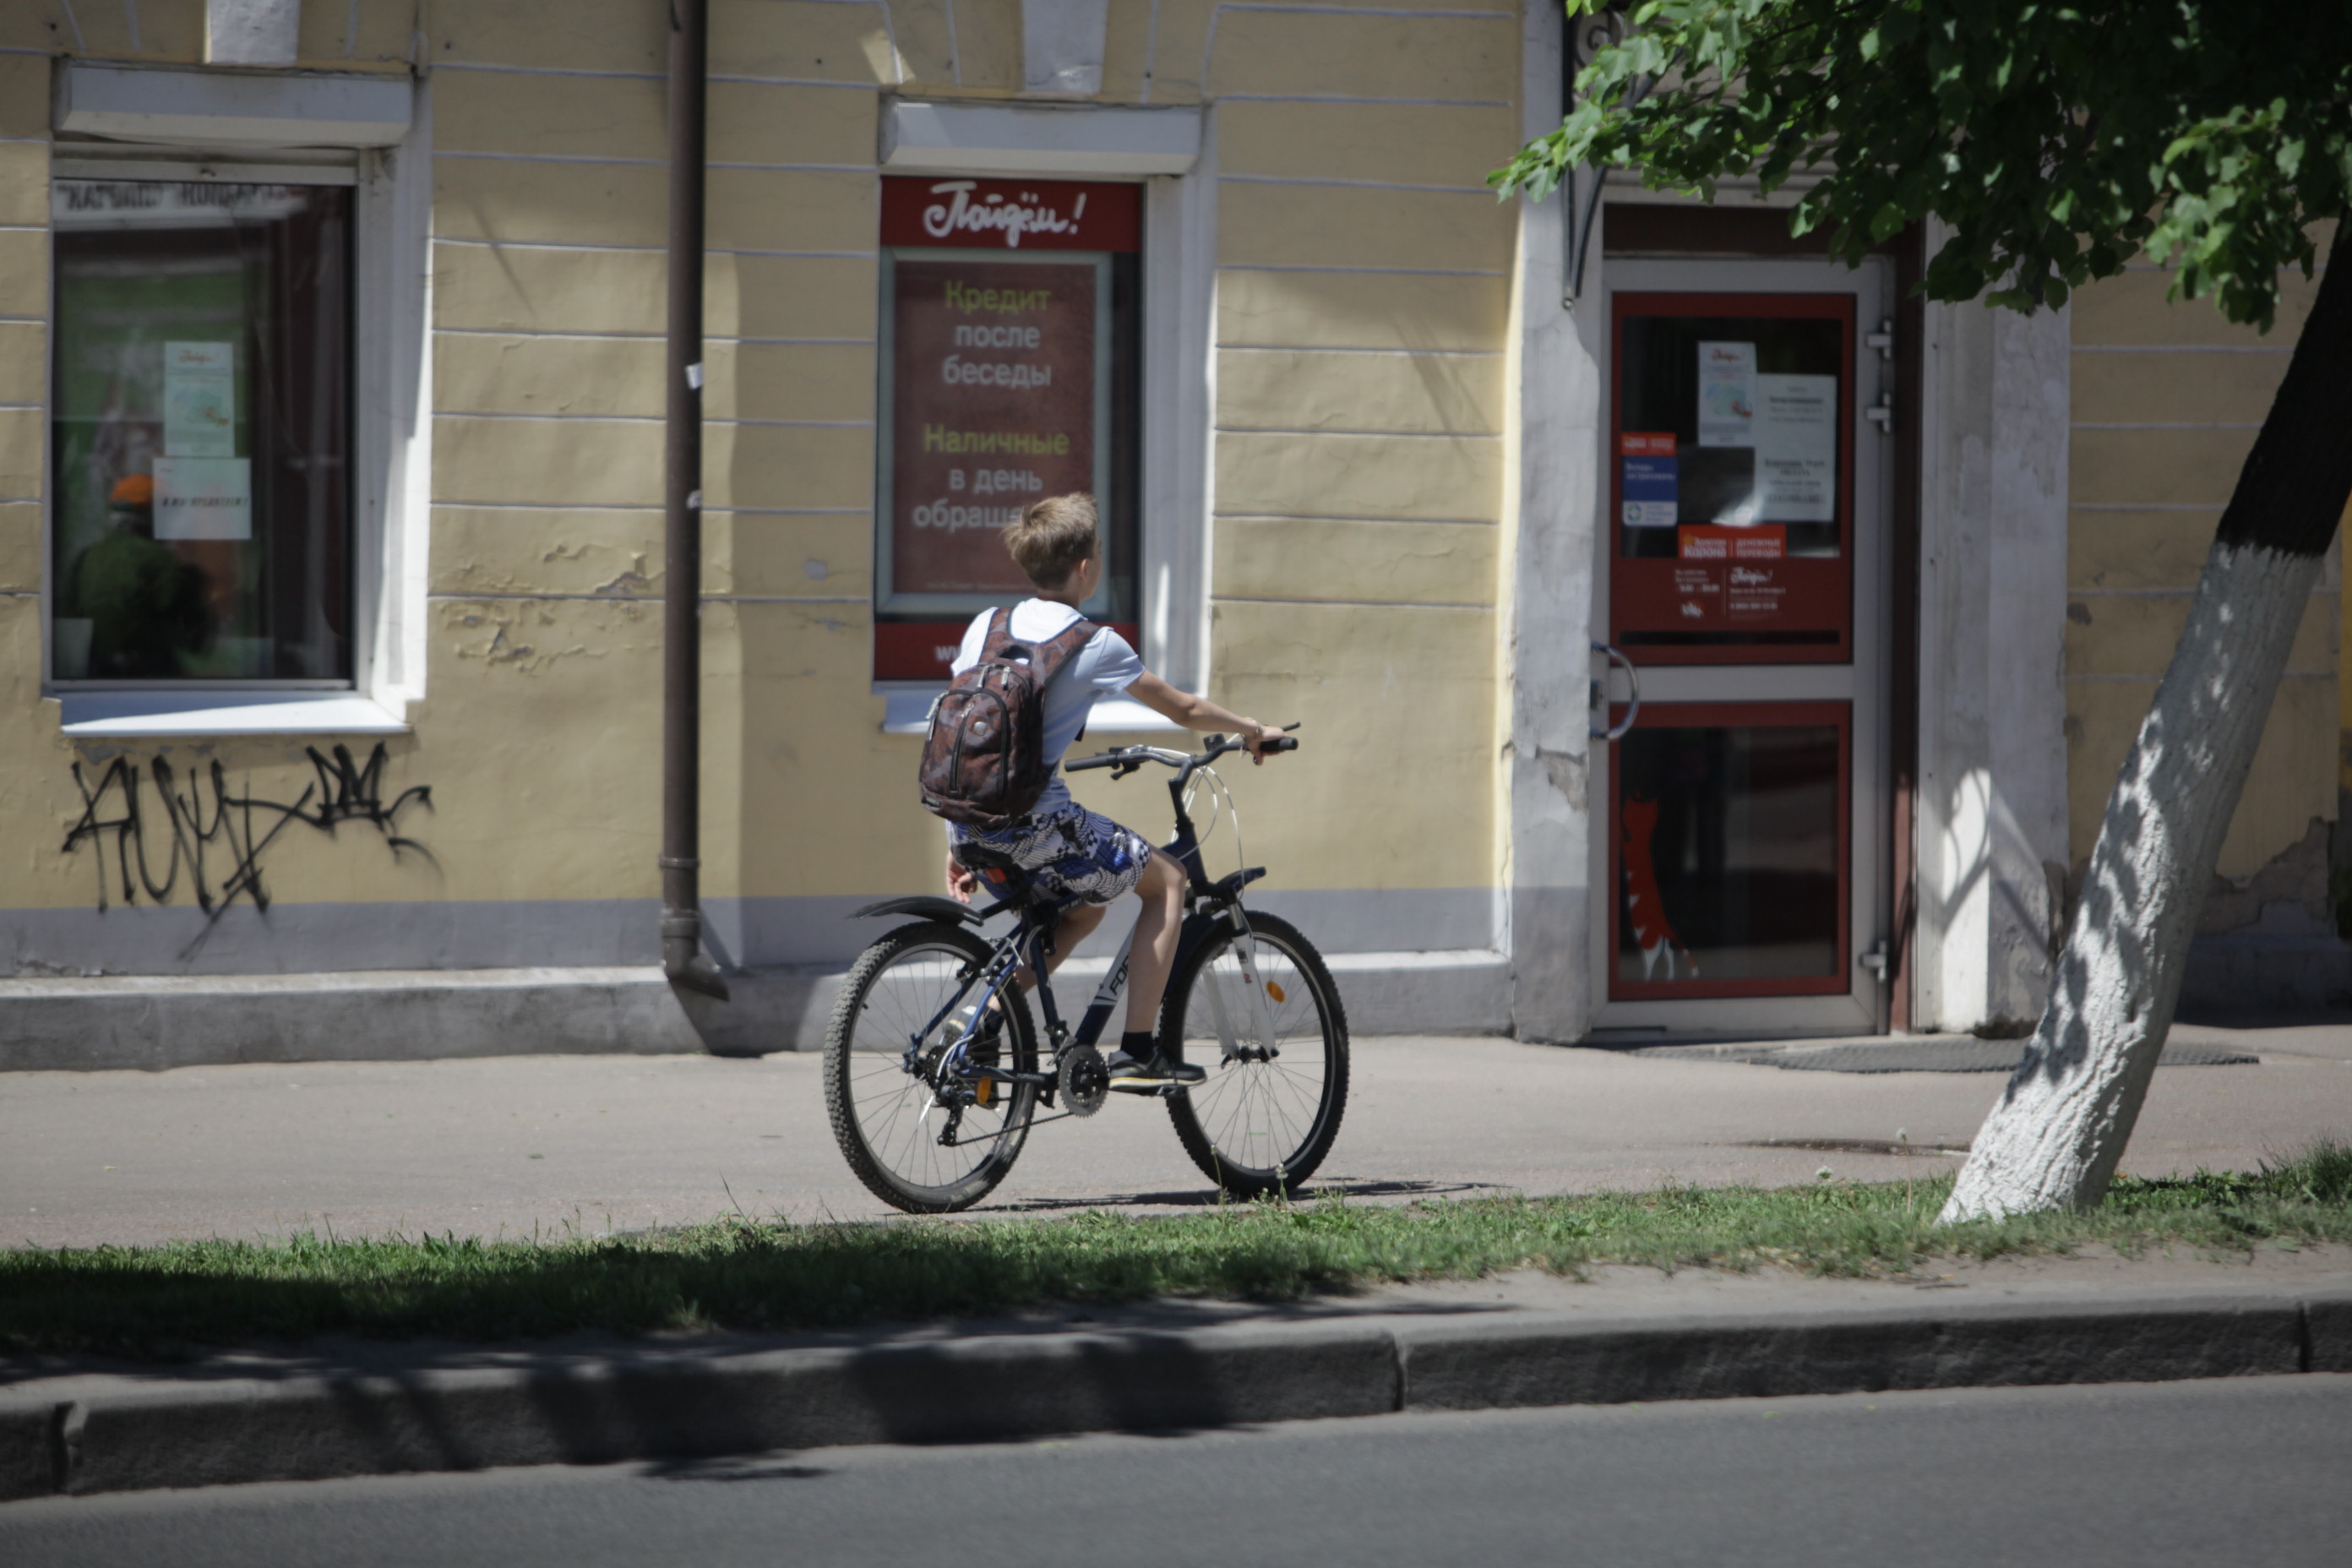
x: 194, y: 825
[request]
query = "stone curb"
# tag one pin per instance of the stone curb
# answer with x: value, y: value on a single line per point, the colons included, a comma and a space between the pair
x: 86, y: 1435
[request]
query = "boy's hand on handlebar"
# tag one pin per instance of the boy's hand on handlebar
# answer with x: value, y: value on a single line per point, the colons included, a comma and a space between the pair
x: 1256, y: 736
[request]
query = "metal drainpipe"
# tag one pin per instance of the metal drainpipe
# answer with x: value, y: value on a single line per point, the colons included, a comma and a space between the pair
x: 681, y: 863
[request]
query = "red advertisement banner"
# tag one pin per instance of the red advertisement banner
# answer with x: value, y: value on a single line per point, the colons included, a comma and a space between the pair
x: 925, y: 650
x: 1013, y: 215
x: 1729, y: 576
x: 992, y: 406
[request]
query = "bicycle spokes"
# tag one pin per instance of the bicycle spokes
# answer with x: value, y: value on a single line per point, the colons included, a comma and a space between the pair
x: 909, y: 1109
x: 1259, y: 1014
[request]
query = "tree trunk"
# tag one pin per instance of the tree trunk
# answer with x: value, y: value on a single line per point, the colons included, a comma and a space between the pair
x: 2054, y: 1137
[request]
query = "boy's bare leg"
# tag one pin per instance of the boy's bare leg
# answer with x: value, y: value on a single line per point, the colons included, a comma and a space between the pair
x: 1162, y: 888
x: 1073, y: 928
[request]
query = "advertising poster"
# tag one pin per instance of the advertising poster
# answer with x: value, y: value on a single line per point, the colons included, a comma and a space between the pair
x: 992, y: 407
x: 200, y: 400
x: 1726, y: 395
x: 1796, y: 448
x: 203, y: 498
x: 1010, y: 319
x: 1729, y: 574
x: 1650, y: 479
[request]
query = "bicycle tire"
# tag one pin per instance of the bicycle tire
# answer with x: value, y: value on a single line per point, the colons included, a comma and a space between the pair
x: 1249, y: 1126
x: 882, y: 1117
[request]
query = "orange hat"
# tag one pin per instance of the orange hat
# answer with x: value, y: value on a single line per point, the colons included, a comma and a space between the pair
x: 139, y: 490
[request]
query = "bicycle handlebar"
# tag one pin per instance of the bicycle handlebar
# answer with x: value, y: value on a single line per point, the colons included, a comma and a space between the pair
x: 1127, y: 759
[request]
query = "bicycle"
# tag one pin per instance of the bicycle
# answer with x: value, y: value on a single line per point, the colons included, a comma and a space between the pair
x: 930, y: 1109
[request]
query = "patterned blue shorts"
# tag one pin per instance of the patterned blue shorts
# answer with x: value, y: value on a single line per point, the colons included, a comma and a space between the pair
x: 1072, y: 852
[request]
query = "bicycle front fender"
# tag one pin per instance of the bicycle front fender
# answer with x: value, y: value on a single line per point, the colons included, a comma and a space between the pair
x: 1199, y: 929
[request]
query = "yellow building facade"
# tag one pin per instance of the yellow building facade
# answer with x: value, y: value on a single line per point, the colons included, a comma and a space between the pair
x: 399, y: 795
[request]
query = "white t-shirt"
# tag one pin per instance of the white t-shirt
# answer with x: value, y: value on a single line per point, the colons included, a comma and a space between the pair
x: 1104, y: 668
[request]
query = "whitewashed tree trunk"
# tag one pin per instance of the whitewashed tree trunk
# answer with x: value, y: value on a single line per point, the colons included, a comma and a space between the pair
x: 2061, y: 1125
x: 2055, y: 1136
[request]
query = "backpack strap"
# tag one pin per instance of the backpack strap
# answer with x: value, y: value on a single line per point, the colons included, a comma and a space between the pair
x: 1055, y: 652
x: 999, y: 635
x: 1058, y: 651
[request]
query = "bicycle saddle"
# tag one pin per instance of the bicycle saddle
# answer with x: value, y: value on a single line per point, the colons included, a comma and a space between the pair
x: 1006, y: 879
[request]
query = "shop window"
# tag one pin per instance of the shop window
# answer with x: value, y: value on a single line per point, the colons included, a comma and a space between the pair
x: 1728, y: 848
x: 1733, y: 483
x: 202, y: 427
x: 1012, y: 322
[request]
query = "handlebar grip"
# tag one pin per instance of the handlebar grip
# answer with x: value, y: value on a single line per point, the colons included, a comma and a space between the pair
x: 1281, y: 744
x: 1107, y: 758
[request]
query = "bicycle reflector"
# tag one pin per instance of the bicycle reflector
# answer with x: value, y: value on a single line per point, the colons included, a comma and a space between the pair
x: 1274, y: 991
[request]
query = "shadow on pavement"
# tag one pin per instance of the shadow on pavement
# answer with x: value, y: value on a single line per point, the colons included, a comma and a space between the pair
x: 1207, y: 1197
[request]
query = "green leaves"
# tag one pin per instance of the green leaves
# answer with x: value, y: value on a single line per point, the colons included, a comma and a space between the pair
x: 2055, y: 141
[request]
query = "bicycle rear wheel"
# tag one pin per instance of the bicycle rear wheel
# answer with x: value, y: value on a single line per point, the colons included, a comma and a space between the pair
x: 910, y: 1136
x: 1262, y: 1122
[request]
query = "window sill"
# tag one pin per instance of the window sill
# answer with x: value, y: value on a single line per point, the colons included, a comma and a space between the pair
x: 907, y: 712
x: 134, y: 715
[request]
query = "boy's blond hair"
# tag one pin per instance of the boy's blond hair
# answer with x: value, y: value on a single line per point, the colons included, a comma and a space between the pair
x: 1052, y: 538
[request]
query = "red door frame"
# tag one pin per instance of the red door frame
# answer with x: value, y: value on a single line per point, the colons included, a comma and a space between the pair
x: 1727, y: 715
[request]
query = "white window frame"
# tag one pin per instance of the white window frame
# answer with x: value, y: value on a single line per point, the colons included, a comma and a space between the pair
x: 390, y: 423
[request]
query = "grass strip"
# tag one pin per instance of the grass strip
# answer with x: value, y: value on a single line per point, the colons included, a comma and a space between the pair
x: 743, y: 1274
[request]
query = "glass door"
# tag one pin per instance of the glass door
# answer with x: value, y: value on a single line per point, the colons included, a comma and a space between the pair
x: 1743, y: 564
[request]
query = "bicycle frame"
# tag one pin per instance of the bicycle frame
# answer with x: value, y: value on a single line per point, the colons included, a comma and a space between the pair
x: 1029, y: 943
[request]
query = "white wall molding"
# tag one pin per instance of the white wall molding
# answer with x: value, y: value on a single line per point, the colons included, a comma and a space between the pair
x: 1550, y: 493
x: 1071, y: 141
x: 186, y: 715
x: 252, y: 32
x: 392, y: 418
x: 1180, y: 399
x: 231, y: 109
x: 1991, y: 829
x: 1062, y: 44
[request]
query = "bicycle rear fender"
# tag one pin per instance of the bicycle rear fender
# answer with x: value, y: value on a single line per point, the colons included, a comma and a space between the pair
x: 929, y: 907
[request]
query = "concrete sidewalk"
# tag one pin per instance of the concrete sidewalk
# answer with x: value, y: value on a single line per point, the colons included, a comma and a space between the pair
x: 515, y: 1145
x: 1630, y: 1335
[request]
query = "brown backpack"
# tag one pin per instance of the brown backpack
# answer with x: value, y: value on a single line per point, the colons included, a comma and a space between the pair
x: 985, y: 758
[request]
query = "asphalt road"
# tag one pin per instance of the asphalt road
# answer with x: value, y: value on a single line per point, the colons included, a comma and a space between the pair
x: 2240, y: 1471
x: 510, y: 1145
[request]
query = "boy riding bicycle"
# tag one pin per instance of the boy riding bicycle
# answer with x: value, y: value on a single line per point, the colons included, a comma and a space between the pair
x: 1064, y: 848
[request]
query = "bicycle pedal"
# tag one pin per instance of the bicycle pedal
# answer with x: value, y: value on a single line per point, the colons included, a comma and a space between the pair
x: 1148, y: 1086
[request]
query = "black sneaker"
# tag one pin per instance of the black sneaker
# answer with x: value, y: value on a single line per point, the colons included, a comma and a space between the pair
x: 1150, y: 1074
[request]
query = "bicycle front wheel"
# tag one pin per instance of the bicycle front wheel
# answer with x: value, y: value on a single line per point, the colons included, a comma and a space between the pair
x: 1275, y: 1051
x: 925, y: 1140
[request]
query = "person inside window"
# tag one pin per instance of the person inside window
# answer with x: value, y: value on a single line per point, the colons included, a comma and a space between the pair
x: 146, y: 606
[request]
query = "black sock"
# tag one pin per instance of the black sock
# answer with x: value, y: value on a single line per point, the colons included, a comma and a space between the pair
x: 1137, y: 1043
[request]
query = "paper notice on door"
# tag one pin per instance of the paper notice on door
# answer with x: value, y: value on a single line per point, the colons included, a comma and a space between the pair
x: 1649, y: 477
x: 1796, y: 448
x: 200, y: 400
x: 1726, y: 395
x: 203, y: 498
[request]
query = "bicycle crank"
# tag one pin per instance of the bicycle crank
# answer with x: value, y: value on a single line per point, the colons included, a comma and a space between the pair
x: 1085, y: 1080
